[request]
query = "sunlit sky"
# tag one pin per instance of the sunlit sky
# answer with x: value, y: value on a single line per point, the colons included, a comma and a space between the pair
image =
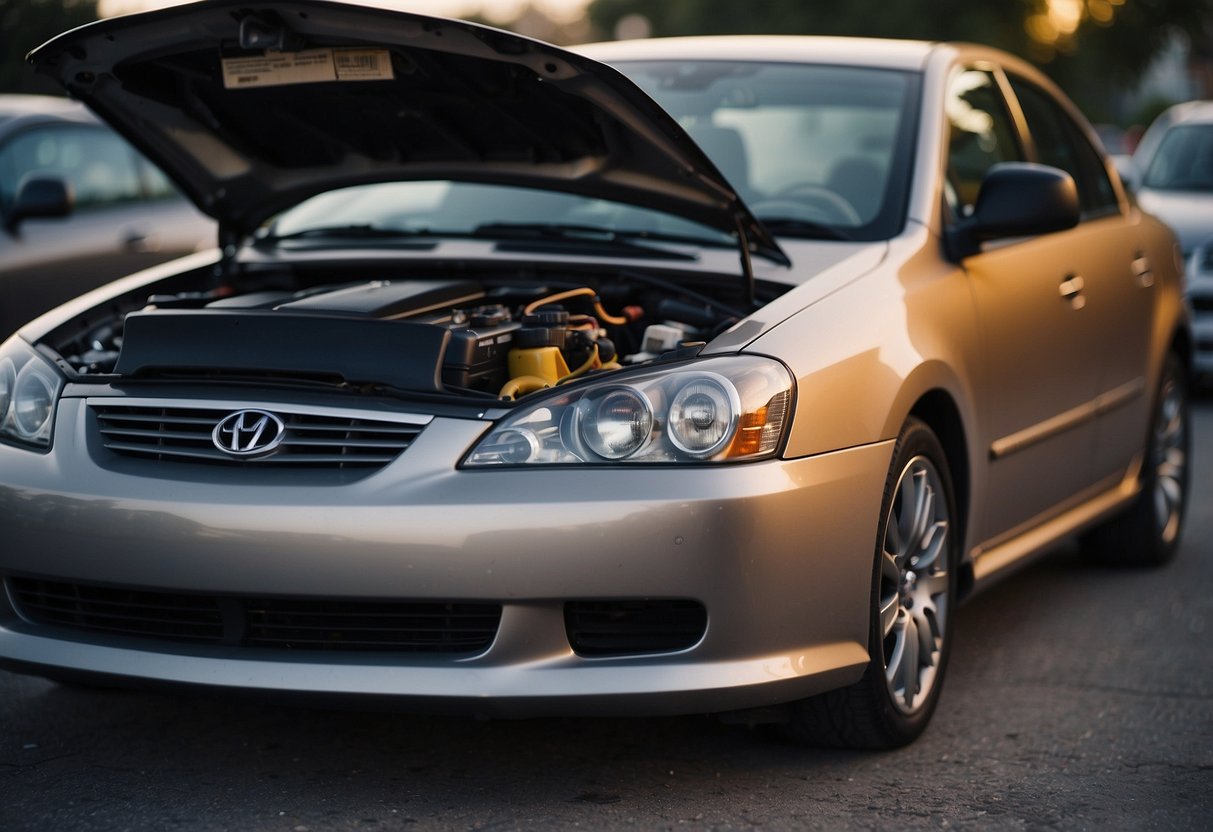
x: 499, y: 10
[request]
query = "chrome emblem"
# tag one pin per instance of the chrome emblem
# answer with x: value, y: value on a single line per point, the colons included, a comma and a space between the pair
x: 249, y: 433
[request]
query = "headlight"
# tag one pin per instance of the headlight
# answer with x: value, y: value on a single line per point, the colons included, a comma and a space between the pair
x: 616, y: 424
x: 714, y: 410
x: 29, y: 388
x: 703, y: 416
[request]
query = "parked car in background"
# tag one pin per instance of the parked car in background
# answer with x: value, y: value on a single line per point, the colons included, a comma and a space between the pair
x: 671, y: 376
x: 1172, y: 171
x: 115, y: 212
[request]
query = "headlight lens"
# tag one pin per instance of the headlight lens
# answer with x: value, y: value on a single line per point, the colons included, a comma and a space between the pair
x: 29, y: 387
x: 617, y: 423
x: 703, y: 416
x: 715, y: 410
x: 8, y: 380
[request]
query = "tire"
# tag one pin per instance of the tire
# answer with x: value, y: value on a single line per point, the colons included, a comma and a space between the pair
x: 912, y: 605
x: 1147, y: 533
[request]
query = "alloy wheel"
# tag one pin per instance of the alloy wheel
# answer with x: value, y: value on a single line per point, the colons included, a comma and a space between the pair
x: 1170, y: 460
x: 914, y: 581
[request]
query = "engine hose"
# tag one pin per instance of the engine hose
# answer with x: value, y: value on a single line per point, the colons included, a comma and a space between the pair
x: 521, y: 386
x: 613, y: 320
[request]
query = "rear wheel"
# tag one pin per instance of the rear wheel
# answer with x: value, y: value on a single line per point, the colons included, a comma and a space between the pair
x: 1147, y: 532
x: 913, y: 595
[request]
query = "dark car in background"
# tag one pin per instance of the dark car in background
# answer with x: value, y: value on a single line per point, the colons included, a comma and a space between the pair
x: 117, y: 212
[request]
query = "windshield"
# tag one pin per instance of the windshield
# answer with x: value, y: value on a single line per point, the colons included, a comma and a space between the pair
x: 818, y: 144
x: 817, y: 152
x: 1184, y: 161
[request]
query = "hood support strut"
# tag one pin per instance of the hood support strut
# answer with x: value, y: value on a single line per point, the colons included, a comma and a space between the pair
x: 747, y: 263
x: 229, y: 246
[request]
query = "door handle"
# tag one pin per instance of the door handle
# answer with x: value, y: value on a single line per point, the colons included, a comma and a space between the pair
x: 1143, y: 272
x: 1071, y: 290
x: 136, y: 240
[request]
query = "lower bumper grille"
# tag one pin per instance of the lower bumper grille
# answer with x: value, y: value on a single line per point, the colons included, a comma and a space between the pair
x: 278, y: 623
x: 621, y: 628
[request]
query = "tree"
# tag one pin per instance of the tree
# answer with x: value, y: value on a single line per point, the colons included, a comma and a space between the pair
x: 25, y: 24
x: 1109, y: 46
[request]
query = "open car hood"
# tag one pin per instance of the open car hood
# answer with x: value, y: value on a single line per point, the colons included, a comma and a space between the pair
x: 252, y: 106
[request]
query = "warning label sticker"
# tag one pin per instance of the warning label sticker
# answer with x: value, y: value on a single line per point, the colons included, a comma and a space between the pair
x: 311, y: 66
x: 362, y: 64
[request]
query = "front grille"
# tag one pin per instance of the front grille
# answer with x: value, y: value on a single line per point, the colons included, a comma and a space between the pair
x: 279, y: 623
x: 620, y: 628
x: 320, y: 440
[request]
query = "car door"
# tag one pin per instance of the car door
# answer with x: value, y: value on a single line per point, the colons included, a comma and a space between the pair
x: 1117, y: 273
x: 1036, y: 332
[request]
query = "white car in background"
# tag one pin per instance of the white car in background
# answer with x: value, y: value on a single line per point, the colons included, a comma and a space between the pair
x: 1173, y: 172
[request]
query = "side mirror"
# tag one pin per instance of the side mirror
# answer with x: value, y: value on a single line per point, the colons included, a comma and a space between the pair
x: 39, y: 196
x: 1016, y: 200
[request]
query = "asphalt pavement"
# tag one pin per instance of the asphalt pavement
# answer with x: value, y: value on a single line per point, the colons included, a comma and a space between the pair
x: 1078, y: 698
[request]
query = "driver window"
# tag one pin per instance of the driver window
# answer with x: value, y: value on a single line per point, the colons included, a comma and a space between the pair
x: 1060, y: 143
x: 981, y: 135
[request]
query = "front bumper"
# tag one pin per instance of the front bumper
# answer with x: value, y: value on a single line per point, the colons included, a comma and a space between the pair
x: 780, y: 554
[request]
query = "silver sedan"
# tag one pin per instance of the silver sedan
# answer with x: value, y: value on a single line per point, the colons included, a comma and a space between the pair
x: 673, y: 376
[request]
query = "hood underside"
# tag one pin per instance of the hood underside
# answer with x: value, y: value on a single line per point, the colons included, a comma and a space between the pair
x: 252, y: 107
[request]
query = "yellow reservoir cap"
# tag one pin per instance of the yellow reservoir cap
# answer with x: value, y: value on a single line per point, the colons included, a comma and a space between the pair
x: 544, y: 362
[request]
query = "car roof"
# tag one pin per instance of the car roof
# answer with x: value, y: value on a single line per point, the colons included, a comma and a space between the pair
x: 26, y: 109
x: 1191, y: 112
x: 878, y: 53
x: 20, y: 105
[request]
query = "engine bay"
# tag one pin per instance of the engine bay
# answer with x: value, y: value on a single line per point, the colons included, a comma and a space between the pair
x: 470, y: 335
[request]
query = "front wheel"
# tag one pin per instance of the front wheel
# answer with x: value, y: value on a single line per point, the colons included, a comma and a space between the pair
x: 913, y: 596
x: 1147, y: 532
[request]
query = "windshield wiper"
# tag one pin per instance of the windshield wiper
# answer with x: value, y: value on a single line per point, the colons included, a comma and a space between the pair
x: 589, y: 233
x: 361, y: 232
x: 807, y: 229
x: 585, y: 240
x: 583, y: 237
